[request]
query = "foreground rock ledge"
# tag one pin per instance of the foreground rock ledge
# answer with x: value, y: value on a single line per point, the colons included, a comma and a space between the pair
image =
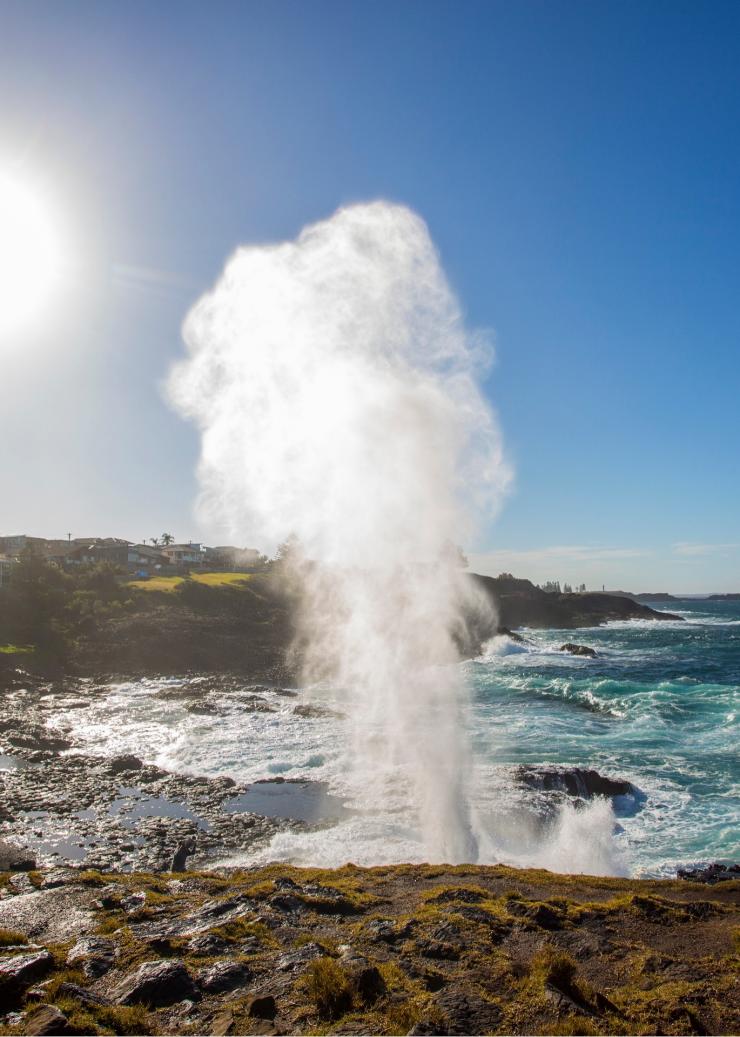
x: 395, y: 950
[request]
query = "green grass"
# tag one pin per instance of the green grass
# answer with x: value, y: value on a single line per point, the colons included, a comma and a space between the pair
x: 16, y: 649
x: 167, y: 584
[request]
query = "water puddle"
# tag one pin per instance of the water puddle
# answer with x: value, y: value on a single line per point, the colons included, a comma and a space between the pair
x: 50, y: 837
x: 131, y: 805
x: 298, y: 801
x: 12, y: 763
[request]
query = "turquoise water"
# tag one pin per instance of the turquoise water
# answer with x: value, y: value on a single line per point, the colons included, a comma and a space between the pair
x: 658, y: 706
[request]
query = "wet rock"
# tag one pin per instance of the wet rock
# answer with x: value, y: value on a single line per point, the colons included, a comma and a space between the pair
x: 710, y: 874
x: 578, y: 650
x: 44, y: 742
x: 20, y: 970
x: 46, y: 1020
x: 157, y: 983
x: 223, y: 976
x: 15, y: 858
x: 574, y: 781
x: 125, y: 762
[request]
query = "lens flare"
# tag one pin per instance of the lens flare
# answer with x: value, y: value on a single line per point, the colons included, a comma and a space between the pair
x: 30, y: 255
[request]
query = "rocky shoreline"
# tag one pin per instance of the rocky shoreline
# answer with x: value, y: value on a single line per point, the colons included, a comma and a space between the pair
x: 98, y: 936
x: 66, y: 806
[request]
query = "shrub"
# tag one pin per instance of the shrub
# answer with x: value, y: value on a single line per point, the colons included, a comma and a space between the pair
x: 329, y: 988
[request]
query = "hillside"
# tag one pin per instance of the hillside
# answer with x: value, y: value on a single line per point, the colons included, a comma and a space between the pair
x: 227, y: 623
x: 521, y: 604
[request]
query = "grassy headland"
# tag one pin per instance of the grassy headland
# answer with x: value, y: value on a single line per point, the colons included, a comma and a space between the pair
x: 391, y: 950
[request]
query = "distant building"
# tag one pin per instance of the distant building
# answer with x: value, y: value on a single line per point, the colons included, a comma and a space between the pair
x: 93, y: 550
x: 183, y: 556
x: 144, y: 560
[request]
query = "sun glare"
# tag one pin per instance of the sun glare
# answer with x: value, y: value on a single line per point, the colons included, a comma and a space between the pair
x: 30, y: 256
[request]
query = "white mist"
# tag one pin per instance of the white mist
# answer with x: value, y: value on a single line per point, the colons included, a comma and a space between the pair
x: 333, y: 382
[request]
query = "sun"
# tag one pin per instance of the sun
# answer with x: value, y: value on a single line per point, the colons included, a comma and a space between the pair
x: 30, y: 255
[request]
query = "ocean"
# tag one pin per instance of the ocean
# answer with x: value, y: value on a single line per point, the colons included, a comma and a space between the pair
x: 658, y: 707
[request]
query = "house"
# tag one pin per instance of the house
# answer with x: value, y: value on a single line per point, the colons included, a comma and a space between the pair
x: 93, y: 550
x: 183, y: 556
x: 144, y: 560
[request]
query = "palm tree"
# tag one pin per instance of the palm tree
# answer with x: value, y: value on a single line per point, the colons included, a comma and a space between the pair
x: 167, y: 539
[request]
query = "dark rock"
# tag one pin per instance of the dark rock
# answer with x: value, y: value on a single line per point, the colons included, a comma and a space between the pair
x: 21, y: 970
x: 438, y: 950
x: 15, y: 858
x: 461, y: 894
x: 468, y: 1013
x: 83, y: 994
x: 293, y: 960
x: 48, y: 743
x: 157, y: 983
x: 207, y: 945
x: 46, y: 1020
x: 286, y: 902
x: 223, y: 976
x: 365, y: 978
x: 161, y: 945
x: 388, y: 931
x: 21, y: 883
x: 710, y: 874
x: 578, y: 650
x: 566, y: 1001
x: 96, y: 953
x: 133, y: 902
x: 126, y: 762
x: 572, y: 780
x: 542, y: 915
x: 262, y: 1006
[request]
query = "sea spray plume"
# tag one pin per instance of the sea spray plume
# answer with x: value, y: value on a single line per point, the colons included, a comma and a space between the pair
x: 332, y: 379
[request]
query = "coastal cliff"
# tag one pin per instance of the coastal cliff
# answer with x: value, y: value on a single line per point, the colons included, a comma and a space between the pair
x: 521, y: 604
x: 248, y: 628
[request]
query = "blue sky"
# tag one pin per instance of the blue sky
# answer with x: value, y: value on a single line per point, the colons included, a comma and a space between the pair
x: 577, y: 163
